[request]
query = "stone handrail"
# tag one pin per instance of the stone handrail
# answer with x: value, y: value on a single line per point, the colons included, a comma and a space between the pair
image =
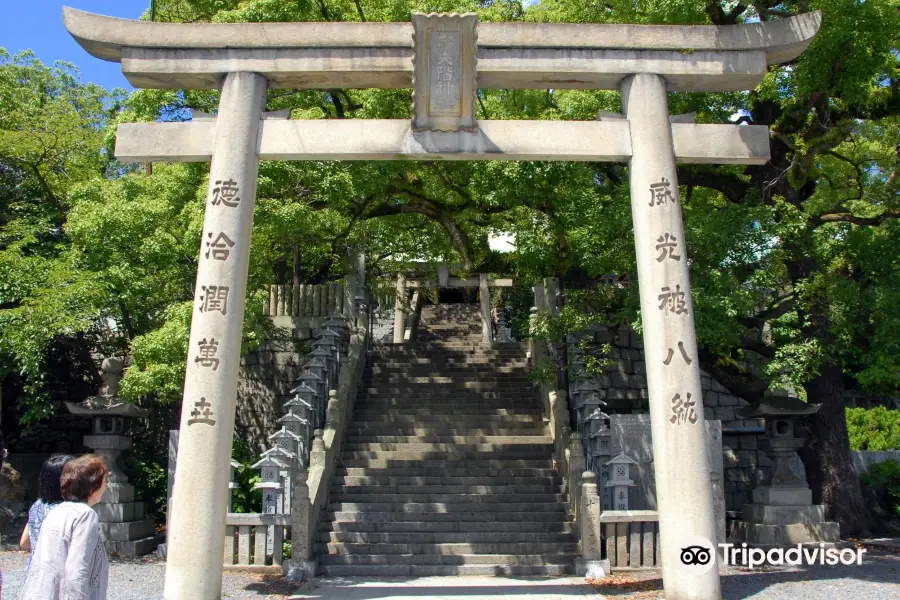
x: 247, y: 542
x: 311, y: 490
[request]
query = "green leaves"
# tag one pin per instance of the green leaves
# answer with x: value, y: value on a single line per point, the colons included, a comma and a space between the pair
x: 877, y: 429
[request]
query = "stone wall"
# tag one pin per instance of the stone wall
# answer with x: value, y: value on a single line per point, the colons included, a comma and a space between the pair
x: 267, y: 376
x: 625, y: 383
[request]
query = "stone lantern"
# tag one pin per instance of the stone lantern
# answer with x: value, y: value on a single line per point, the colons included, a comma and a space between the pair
x: 620, y: 480
x: 782, y: 512
x: 122, y: 524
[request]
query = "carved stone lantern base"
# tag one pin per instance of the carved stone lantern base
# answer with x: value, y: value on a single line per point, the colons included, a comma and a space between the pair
x: 782, y: 512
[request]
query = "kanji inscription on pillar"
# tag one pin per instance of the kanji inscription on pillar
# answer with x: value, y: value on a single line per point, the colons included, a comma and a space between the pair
x: 683, y: 410
x: 214, y: 298
x: 218, y: 246
x: 226, y: 193
x: 202, y: 413
x: 661, y: 193
x: 207, y: 353
x: 671, y: 355
x: 444, y: 72
x: 672, y: 301
x: 666, y: 245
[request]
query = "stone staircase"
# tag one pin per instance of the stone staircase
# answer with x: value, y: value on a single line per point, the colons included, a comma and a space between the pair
x: 446, y: 467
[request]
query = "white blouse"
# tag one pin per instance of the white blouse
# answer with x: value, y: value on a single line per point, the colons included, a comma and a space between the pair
x: 69, y: 561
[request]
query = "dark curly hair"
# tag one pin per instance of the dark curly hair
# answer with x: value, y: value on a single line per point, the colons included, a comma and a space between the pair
x: 48, y: 485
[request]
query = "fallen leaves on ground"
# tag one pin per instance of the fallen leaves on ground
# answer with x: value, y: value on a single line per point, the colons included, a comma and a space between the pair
x: 638, y: 585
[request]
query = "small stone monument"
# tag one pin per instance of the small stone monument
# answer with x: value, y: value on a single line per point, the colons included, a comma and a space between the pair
x: 620, y: 480
x: 782, y: 512
x: 122, y: 524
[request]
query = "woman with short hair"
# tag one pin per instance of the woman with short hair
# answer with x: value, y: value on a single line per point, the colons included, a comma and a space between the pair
x: 69, y: 561
x: 49, y: 495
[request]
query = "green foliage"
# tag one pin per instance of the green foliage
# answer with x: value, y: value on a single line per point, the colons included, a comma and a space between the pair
x: 876, y: 429
x: 245, y: 497
x: 883, y: 479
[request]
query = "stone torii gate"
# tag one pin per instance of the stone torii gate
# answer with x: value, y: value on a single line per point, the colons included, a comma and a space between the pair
x: 445, y: 62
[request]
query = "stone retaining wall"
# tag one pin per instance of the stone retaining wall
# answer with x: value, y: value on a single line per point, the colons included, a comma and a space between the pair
x: 267, y: 376
x: 625, y: 382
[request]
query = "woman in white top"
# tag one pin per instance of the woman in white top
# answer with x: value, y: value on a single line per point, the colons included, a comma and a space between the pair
x: 69, y: 561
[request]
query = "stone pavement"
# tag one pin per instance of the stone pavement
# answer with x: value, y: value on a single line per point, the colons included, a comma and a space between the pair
x: 446, y: 588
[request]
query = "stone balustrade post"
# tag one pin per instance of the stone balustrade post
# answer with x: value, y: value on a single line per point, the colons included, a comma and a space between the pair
x: 591, y: 564
x: 317, y: 453
x: 577, y: 466
x: 302, y: 564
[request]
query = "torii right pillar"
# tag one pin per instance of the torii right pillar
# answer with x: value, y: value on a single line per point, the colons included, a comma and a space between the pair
x: 681, y: 466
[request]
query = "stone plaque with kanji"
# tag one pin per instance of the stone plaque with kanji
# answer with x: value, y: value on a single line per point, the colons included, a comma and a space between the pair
x: 444, y: 73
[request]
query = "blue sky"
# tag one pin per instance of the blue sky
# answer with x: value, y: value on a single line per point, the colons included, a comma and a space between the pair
x: 37, y: 25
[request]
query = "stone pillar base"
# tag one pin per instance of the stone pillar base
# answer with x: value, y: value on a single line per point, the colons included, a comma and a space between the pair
x: 123, y: 528
x: 592, y: 569
x: 760, y: 535
x: 299, y: 570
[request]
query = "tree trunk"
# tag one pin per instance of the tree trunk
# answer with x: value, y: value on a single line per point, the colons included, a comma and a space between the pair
x: 830, y: 443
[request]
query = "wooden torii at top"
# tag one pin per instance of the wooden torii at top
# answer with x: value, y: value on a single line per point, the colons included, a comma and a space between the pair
x: 444, y: 58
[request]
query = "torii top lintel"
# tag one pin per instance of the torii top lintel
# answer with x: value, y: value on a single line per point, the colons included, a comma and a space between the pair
x: 379, y: 55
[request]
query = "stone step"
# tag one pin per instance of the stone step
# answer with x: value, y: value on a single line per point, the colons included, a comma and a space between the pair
x: 516, y: 437
x: 426, y: 417
x: 463, y: 537
x: 481, y: 414
x: 394, y: 388
x: 422, y: 496
x: 423, y: 399
x: 467, y: 553
x: 128, y: 531
x: 543, y: 470
x: 380, y: 369
x: 436, y: 480
x: 455, y: 462
x: 446, y: 456
x: 453, y: 444
x: 558, y: 515
x: 445, y: 351
x: 462, y: 527
x: 450, y: 364
x: 459, y: 380
x: 486, y: 570
x: 374, y: 497
x: 443, y: 403
x: 139, y: 547
x: 365, y: 431
x: 345, y: 490
x: 448, y: 508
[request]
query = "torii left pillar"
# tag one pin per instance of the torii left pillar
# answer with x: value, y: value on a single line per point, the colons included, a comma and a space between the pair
x: 197, y: 525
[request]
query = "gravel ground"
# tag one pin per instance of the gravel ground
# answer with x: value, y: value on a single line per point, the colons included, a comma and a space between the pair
x: 878, y: 578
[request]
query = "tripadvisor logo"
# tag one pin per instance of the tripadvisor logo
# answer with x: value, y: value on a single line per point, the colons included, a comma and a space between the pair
x: 697, y: 555
x: 795, y: 556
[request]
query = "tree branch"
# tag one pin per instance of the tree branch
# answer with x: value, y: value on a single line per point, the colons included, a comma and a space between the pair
x: 362, y: 16
x: 729, y: 186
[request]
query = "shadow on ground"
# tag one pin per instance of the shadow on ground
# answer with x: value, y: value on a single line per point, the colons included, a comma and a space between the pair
x: 877, y: 568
